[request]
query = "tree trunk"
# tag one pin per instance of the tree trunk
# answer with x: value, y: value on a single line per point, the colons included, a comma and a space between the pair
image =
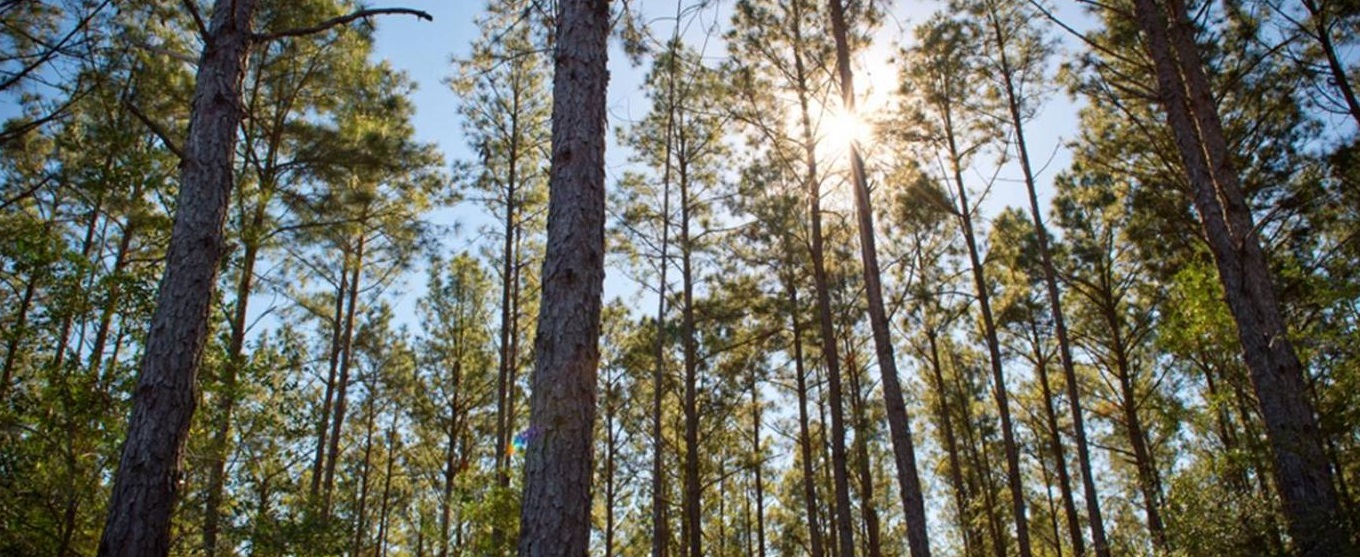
x: 149, y: 475
x: 610, y: 492
x: 1322, y: 31
x: 219, y: 446
x: 691, y: 526
x: 346, y: 361
x: 899, y: 421
x: 1013, y: 476
x: 758, y: 464
x: 451, y: 467
x: 1302, y: 477
x: 804, y: 433
x: 811, y: 184
x: 1055, y: 444
x: 365, y: 475
x: 385, y: 507
x: 844, y: 530
x: 16, y: 335
x: 961, y: 493
x: 873, y: 544
x: 555, y: 517
x: 976, y: 443
x: 509, y: 306
x: 332, y: 370
x: 1098, y: 536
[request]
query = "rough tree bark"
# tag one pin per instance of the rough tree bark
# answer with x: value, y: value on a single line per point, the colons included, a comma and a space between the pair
x: 1303, y: 479
x: 555, y: 517
x: 148, y: 477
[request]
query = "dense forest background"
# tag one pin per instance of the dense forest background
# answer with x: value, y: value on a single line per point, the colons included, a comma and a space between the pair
x: 824, y: 336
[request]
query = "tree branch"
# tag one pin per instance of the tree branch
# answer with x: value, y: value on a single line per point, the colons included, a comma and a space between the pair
x: 155, y: 128
x: 191, y: 6
x: 342, y: 20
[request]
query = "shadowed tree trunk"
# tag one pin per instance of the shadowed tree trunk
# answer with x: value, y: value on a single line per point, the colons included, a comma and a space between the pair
x: 555, y: 517
x: 1303, y: 479
x: 148, y: 477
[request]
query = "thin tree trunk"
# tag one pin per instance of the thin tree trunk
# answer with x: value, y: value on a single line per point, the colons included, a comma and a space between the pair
x: 16, y: 335
x: 660, y: 521
x: 1055, y: 444
x: 691, y: 527
x: 342, y: 388
x: 1340, y: 79
x: 392, y: 441
x: 844, y: 529
x: 873, y: 544
x: 101, y: 338
x: 508, y: 264
x: 819, y: 273
x: 976, y: 442
x: 1013, y: 474
x: 451, y: 467
x: 365, y: 474
x: 555, y: 515
x: 332, y: 370
x: 961, y: 493
x: 899, y: 421
x: 148, y: 477
x: 610, y: 492
x: 1302, y: 477
x: 226, y: 396
x: 758, y: 464
x: 1098, y: 536
x: 804, y: 431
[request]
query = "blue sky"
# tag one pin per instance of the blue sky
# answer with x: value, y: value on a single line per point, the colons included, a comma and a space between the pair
x: 424, y: 49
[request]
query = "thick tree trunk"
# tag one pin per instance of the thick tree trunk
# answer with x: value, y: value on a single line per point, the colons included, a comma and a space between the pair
x: 899, y: 421
x: 555, y: 516
x: 148, y: 476
x: 1302, y: 477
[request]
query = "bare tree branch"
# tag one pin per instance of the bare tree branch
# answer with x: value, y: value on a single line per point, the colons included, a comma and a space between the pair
x: 342, y: 20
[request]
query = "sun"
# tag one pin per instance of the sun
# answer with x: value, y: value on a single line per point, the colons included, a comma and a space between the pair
x: 842, y: 128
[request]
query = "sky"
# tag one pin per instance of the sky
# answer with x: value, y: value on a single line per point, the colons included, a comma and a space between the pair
x: 425, y: 49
